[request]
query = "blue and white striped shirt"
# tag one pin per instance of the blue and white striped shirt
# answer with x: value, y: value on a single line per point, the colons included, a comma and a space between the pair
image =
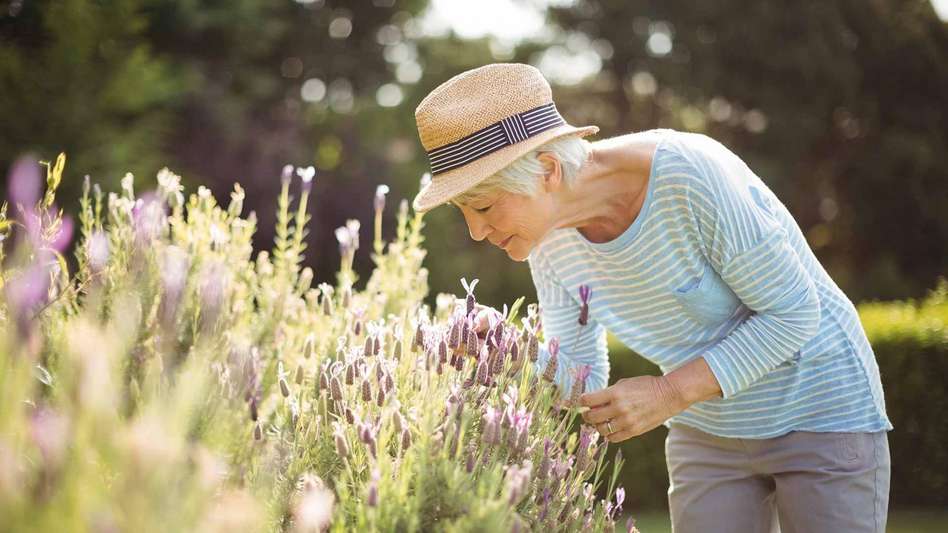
x: 715, y: 266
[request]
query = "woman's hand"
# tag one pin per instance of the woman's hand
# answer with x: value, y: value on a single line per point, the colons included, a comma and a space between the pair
x: 632, y: 406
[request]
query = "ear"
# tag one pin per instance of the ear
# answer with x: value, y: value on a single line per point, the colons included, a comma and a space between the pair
x: 552, y: 171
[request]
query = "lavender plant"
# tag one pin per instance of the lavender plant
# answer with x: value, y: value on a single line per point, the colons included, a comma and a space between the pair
x: 176, y: 382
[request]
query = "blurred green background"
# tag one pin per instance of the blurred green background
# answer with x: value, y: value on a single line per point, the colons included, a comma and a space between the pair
x: 839, y: 106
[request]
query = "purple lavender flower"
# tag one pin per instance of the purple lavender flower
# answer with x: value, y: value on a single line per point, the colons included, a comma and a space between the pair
x: 63, y: 234
x: 174, y: 275
x: 585, y: 291
x: 471, y: 461
x: 579, y: 384
x: 372, y: 499
x: 454, y: 339
x: 483, y: 373
x: 308, y: 347
x: 214, y: 280
x: 587, y: 438
x: 342, y: 448
x: 97, y: 251
x: 27, y: 293
x: 366, y: 390
x: 335, y: 389
x: 518, y: 481
x: 469, y: 287
x: 380, y: 399
x: 24, y: 182
x: 149, y: 218
x: 442, y: 352
x: 490, y: 431
x: 550, y: 373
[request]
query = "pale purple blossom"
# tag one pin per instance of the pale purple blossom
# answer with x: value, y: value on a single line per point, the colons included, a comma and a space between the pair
x: 286, y: 175
x: 306, y: 175
x: 24, y: 182
x: 379, y: 202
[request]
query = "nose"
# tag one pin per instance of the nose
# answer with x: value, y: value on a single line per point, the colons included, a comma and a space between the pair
x: 476, y: 225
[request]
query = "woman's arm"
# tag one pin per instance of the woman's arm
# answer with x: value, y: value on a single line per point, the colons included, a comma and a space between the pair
x: 579, y: 345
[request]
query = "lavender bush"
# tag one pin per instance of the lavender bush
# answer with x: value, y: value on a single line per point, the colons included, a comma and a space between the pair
x: 174, y: 382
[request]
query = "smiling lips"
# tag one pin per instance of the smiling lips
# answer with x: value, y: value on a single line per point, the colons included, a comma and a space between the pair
x: 507, y: 240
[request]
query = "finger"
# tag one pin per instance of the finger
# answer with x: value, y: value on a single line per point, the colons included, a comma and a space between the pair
x: 595, y: 398
x: 621, y: 435
x: 601, y: 414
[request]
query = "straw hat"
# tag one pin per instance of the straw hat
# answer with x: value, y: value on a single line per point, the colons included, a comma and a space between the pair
x: 480, y: 121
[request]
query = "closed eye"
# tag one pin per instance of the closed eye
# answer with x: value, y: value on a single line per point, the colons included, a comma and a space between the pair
x: 483, y: 209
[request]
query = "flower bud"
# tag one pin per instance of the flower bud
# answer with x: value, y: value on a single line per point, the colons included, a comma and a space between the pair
x: 346, y: 297
x: 366, y: 391
x: 550, y: 373
x: 342, y: 448
x: 418, y: 340
x: 284, y: 388
x: 442, y: 352
x: 367, y: 346
x: 397, y: 353
x: 335, y: 389
x: 380, y: 397
x: 483, y: 373
x: 455, y: 337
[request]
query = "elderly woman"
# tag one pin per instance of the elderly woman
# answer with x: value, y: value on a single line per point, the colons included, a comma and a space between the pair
x: 770, y: 391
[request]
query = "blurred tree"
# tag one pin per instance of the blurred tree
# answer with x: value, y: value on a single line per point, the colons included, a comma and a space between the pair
x: 79, y: 76
x: 838, y: 105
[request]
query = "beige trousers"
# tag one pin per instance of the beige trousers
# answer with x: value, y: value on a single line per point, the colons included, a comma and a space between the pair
x: 799, y: 482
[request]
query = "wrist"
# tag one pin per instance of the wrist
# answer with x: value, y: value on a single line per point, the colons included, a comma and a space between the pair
x: 673, y: 394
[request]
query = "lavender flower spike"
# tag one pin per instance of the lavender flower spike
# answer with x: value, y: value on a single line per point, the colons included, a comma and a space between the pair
x: 380, y: 193
x: 550, y: 373
x: 306, y: 174
x: 585, y: 291
x: 287, y: 174
x: 469, y: 287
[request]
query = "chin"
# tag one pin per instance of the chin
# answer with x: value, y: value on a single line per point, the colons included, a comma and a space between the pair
x: 518, y: 253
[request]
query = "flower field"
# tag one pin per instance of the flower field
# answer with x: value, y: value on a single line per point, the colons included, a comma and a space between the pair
x: 176, y: 381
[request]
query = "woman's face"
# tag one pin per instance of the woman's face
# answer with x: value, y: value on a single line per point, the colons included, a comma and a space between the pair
x: 513, y: 222
x: 516, y: 222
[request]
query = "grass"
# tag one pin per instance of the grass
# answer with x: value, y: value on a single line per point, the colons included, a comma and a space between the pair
x: 900, y: 521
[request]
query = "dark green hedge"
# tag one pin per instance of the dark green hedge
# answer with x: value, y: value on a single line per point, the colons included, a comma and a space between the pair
x: 910, y: 340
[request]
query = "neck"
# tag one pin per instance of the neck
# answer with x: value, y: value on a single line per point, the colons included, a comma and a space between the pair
x: 608, y: 193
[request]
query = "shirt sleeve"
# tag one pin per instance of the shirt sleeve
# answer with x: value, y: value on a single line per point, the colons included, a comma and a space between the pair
x: 579, y: 345
x: 743, y: 240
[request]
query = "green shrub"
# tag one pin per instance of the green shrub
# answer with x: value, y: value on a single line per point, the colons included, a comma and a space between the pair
x: 910, y: 340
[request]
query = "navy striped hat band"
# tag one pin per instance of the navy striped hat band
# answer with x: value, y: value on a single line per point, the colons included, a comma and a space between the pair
x: 506, y: 132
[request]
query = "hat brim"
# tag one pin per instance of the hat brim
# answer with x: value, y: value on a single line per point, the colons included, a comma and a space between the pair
x: 447, y: 185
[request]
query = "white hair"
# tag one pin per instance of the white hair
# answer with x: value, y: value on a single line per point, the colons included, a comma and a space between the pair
x: 522, y: 176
